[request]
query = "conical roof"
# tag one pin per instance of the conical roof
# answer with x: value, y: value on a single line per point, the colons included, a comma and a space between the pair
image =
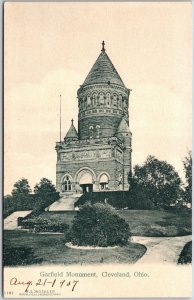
x: 103, y: 71
x: 72, y: 132
x: 123, y: 126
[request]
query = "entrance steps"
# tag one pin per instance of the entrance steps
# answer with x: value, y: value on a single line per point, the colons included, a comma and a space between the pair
x: 11, y: 222
x: 65, y: 203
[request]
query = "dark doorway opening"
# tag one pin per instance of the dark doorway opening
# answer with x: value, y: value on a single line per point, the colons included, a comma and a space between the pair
x: 87, y: 188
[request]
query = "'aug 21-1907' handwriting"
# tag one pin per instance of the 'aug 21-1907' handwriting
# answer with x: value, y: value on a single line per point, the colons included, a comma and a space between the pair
x: 57, y: 283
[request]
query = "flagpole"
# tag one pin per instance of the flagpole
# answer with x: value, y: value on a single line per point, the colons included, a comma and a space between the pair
x: 60, y: 118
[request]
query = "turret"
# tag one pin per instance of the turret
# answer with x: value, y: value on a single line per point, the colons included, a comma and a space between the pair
x: 124, y: 133
x: 71, y: 134
x: 103, y: 100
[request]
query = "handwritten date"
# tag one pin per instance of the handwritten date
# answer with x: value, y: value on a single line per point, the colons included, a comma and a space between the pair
x: 58, y: 283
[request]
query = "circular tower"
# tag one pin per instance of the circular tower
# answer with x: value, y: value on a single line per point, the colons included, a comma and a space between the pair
x: 103, y: 101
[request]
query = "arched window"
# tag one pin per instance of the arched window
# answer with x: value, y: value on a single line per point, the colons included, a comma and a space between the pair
x: 104, y: 182
x: 101, y: 98
x: 98, y: 100
x: 91, y: 129
x: 124, y: 102
x: 111, y: 100
x: 108, y: 99
x: 120, y: 101
x: 67, y: 184
x: 94, y: 99
x: 88, y: 100
x: 97, y: 131
x: 115, y: 100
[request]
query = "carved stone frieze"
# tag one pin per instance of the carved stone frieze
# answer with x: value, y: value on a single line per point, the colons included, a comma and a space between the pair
x: 66, y: 156
x: 106, y: 153
x: 102, y: 112
x: 86, y: 154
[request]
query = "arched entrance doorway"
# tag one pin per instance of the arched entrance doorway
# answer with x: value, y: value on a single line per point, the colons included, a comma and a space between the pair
x: 86, y: 182
x: 85, y: 178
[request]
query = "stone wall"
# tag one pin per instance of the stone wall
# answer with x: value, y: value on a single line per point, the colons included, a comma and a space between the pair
x: 88, y: 127
x: 113, y: 169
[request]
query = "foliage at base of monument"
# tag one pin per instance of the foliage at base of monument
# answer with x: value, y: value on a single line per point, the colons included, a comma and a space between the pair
x: 156, y: 181
x: 117, y: 199
x: 99, y: 225
x: 44, y: 225
x: 21, y: 197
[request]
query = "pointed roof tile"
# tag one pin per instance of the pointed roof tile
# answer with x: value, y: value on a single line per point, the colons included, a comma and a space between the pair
x: 123, y: 126
x: 103, y: 71
x: 72, y: 132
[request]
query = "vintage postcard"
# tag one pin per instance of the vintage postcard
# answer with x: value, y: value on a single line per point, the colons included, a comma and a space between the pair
x: 97, y: 150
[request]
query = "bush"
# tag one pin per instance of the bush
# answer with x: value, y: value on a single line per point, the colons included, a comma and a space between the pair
x: 99, y: 225
x: 19, y: 256
x: 139, y: 200
x: 133, y: 199
x: 117, y: 199
x: 46, y: 226
x: 185, y: 256
x: 41, y: 225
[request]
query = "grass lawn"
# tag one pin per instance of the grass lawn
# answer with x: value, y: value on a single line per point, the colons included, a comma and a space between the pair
x: 158, y: 223
x: 51, y: 249
x: 141, y: 222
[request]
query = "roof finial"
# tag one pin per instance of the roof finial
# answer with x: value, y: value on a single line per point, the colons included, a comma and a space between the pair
x: 72, y: 121
x: 103, y: 44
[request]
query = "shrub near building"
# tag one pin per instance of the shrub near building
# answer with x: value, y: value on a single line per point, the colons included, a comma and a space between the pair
x: 99, y: 225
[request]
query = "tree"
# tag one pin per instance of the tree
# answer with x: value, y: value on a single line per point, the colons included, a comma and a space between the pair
x: 21, y: 188
x: 7, y: 199
x: 187, y: 164
x: 21, y: 194
x: 45, y: 194
x: 99, y: 225
x: 44, y: 188
x: 157, y: 181
x: 7, y: 205
x: 20, y: 198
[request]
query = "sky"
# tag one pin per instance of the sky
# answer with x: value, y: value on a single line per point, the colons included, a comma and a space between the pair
x: 49, y: 48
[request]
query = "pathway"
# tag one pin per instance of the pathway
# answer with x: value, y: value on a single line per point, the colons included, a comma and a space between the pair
x: 11, y: 222
x: 163, y: 250
x: 65, y: 203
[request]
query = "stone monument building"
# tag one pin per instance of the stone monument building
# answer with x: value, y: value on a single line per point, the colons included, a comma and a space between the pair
x: 97, y: 156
